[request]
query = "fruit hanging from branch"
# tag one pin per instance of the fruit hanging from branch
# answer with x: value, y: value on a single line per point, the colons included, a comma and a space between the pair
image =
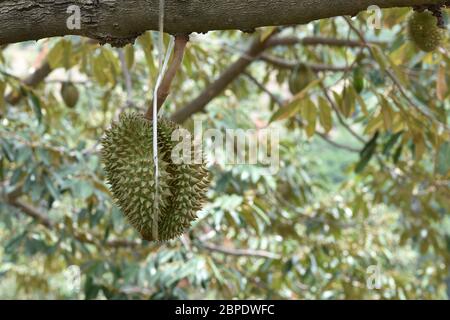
x: 69, y: 94
x: 425, y: 30
x: 128, y: 160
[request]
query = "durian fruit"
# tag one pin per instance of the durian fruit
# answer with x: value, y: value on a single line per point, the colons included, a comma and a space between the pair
x: 300, y: 77
x: 127, y: 156
x: 70, y: 94
x: 424, y: 31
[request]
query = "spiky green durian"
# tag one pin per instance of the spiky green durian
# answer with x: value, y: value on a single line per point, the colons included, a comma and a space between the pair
x: 127, y: 156
x: 424, y: 31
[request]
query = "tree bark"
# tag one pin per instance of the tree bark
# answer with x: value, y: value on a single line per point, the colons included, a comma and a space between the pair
x: 119, y: 22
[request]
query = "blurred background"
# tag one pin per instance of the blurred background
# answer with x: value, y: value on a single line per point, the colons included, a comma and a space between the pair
x: 358, y: 210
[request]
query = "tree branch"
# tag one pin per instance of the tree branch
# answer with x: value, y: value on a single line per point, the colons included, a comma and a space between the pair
x: 338, y: 114
x: 119, y: 22
x: 164, y: 88
x: 281, y: 103
x: 43, y: 219
x: 32, y: 212
x: 314, y: 41
x: 255, y: 51
x: 31, y: 81
x: 286, y: 64
x: 229, y: 75
x: 238, y: 252
x: 276, y: 99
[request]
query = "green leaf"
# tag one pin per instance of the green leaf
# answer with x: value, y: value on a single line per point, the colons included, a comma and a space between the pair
x: 129, y: 56
x: 56, y: 54
x: 443, y: 159
x: 286, y: 112
x: 325, y: 115
x: 35, y: 103
x: 367, y: 154
x: 387, y: 113
x: 358, y: 79
x: 294, y: 105
x: 7, y: 150
x: 347, y: 105
x: 379, y: 56
x: 50, y: 187
x: 2, y: 93
x: 309, y: 114
x: 391, y: 142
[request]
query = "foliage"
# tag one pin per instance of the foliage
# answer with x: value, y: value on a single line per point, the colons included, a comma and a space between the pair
x: 377, y: 195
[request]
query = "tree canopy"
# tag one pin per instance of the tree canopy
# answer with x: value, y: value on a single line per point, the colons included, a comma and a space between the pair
x: 358, y: 209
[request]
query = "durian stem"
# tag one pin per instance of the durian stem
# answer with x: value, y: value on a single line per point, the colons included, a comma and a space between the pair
x: 164, y: 88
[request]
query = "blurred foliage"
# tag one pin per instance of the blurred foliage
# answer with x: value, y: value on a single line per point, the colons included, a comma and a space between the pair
x: 313, y: 230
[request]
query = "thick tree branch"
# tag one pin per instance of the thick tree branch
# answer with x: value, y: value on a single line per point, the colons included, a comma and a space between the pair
x: 119, y: 22
x: 338, y: 114
x: 286, y: 64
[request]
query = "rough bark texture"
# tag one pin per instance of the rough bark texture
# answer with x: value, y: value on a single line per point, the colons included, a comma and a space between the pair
x: 119, y: 22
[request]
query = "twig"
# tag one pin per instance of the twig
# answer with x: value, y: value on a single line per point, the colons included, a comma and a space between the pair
x: 324, y: 137
x: 164, y: 89
x: 286, y: 64
x: 263, y: 88
x: 312, y: 41
x: 32, y: 212
x: 239, y: 252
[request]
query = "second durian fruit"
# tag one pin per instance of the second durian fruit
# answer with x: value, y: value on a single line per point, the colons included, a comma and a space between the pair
x: 127, y: 156
x: 70, y: 94
x: 424, y: 31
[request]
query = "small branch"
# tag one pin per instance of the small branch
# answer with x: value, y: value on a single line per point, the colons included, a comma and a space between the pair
x: 392, y: 76
x: 285, y: 64
x: 120, y: 22
x: 340, y: 119
x: 32, y: 212
x: 164, y: 89
x: 239, y: 252
x: 314, y: 41
x: 263, y: 88
x: 325, y: 138
x: 31, y: 81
